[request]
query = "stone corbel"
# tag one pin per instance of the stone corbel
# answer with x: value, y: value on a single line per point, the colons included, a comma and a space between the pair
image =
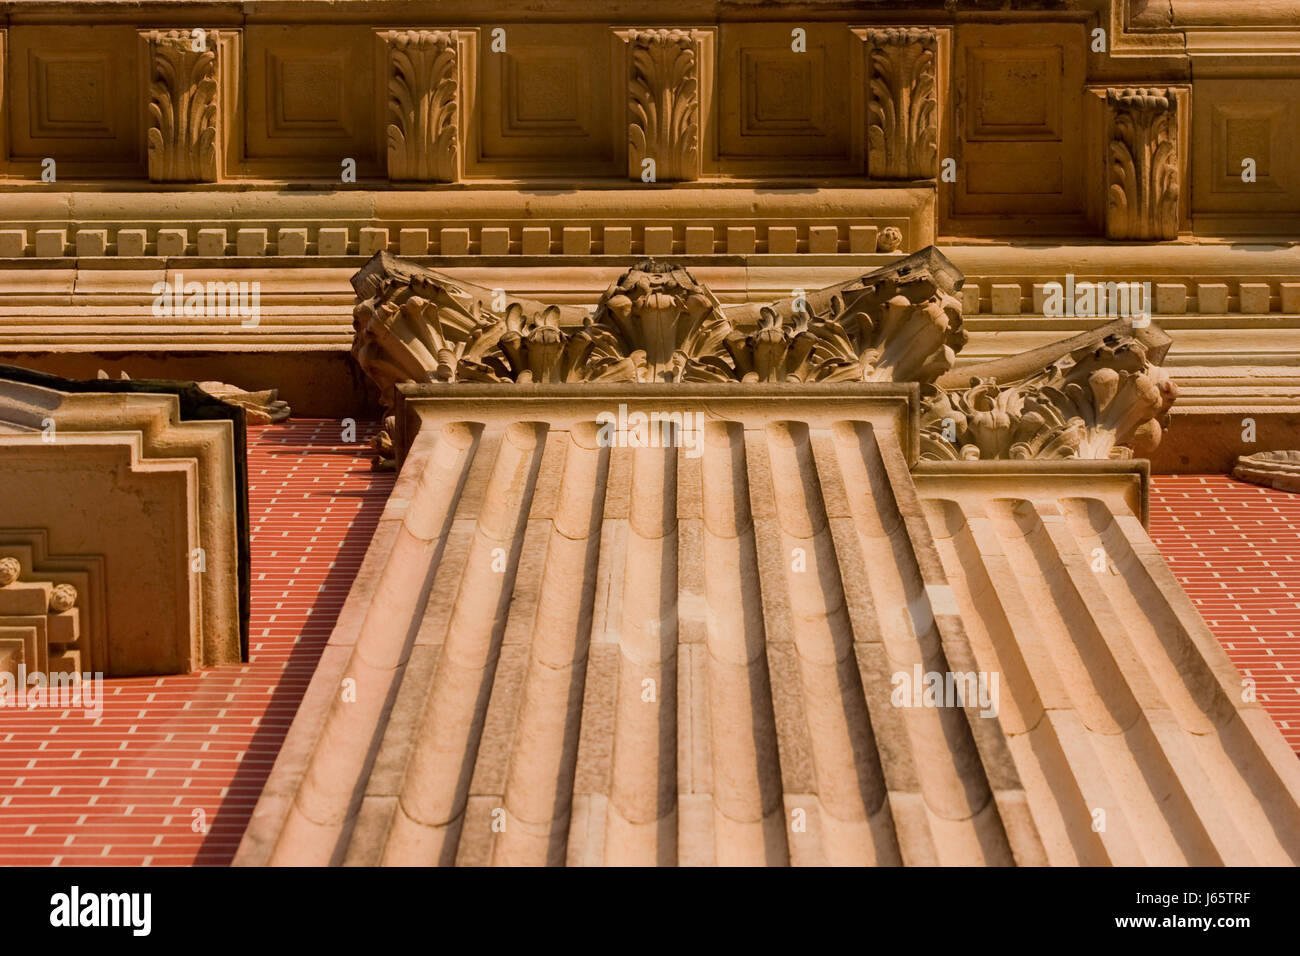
x: 663, y: 104
x: 423, y: 105
x: 1142, y: 164
x: 183, y: 133
x: 902, y: 108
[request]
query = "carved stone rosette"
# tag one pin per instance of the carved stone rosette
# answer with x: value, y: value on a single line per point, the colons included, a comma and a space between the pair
x: 1142, y: 164
x: 663, y: 105
x: 423, y: 89
x: 182, y: 134
x: 902, y: 131
x: 1107, y: 401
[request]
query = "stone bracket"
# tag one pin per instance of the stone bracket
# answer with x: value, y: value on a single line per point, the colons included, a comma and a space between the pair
x: 423, y: 104
x: 185, y: 124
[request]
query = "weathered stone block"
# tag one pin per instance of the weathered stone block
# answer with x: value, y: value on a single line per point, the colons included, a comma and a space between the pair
x: 92, y: 242
x: 211, y: 242
x: 536, y: 240
x: 332, y: 241
x: 453, y: 242
x: 132, y: 242
x: 494, y: 241
x: 291, y: 242
x: 173, y: 242
x: 51, y: 243
x: 250, y: 242
x: 782, y: 240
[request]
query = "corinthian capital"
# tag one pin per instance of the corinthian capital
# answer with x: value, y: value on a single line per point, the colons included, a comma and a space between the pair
x: 1103, y: 400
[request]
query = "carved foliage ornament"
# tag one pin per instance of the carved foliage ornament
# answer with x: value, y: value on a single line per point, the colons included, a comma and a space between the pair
x: 902, y: 131
x: 663, y: 104
x: 1142, y: 164
x: 656, y: 323
x: 182, y: 134
x: 1106, y: 401
x: 422, y: 95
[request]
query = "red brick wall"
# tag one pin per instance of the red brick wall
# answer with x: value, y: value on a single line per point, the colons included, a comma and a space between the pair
x: 124, y: 789
x: 1236, y: 549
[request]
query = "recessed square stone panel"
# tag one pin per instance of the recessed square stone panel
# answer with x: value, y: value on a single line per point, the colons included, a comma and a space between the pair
x: 71, y: 93
x: 306, y: 95
x: 310, y: 94
x: 1238, y: 120
x: 1019, y: 119
x: 547, y: 103
x: 782, y: 94
x: 73, y: 96
x: 1014, y: 93
x: 776, y: 103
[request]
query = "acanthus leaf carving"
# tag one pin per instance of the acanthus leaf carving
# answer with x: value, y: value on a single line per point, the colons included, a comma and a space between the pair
x: 663, y: 104
x: 902, y: 131
x: 1103, y: 401
x: 1142, y: 178
x: 423, y: 89
x: 657, y: 323
x: 182, y: 136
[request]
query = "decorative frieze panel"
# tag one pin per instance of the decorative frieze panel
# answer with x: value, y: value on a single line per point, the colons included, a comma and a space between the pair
x: 423, y: 105
x: 663, y: 105
x: 1005, y: 114
x: 1018, y: 124
x: 902, y: 111
x: 1142, y: 164
x: 183, y: 133
x: 550, y: 101
x: 309, y: 101
x: 71, y: 95
x: 1245, y: 160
